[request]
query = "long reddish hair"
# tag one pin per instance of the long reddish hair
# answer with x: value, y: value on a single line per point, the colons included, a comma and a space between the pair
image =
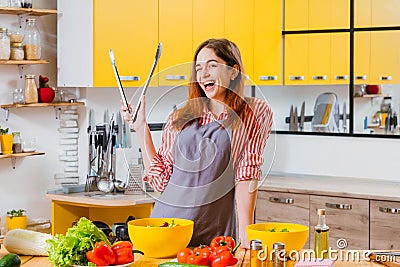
x: 237, y: 107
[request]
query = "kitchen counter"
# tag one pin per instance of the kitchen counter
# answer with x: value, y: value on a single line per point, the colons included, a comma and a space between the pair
x: 97, y: 206
x: 243, y: 255
x: 334, y: 186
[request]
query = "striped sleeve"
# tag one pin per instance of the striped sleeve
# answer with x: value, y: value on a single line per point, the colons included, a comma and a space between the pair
x: 160, y: 169
x: 259, y: 130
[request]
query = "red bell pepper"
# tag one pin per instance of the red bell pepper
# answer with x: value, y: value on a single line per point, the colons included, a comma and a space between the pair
x: 221, y: 241
x: 224, y: 259
x: 123, y: 251
x: 101, y: 254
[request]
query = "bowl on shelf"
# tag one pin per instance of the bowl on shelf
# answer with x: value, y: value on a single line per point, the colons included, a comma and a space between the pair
x: 294, y: 236
x: 46, y: 94
x: 155, y: 241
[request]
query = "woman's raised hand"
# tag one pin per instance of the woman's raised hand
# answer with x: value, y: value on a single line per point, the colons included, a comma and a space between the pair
x: 140, y: 117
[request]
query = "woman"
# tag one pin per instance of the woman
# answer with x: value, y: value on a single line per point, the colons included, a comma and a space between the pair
x: 209, y: 161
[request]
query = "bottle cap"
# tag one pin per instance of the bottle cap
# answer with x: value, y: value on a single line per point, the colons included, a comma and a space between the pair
x: 255, y: 244
x: 30, y: 76
x: 278, y: 245
x: 321, y: 211
x: 3, y: 29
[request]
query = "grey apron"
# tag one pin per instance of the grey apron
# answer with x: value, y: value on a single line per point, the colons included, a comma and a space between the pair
x: 201, y: 186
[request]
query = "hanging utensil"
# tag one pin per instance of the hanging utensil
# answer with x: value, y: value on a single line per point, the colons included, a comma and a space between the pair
x: 344, y: 118
x: 291, y: 119
x: 302, y: 118
x: 296, y: 120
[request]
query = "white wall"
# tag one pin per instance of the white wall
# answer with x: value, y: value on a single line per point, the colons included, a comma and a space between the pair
x: 25, y: 186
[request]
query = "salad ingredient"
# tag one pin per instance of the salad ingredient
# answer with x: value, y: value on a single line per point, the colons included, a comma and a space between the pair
x: 10, y: 260
x: 220, y: 241
x: 184, y: 254
x: 70, y: 249
x: 26, y: 242
x: 123, y: 251
x: 224, y: 259
x: 179, y: 264
x: 101, y: 254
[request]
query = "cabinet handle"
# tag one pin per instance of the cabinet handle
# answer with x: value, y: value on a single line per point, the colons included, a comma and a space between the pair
x: 296, y: 78
x: 268, y: 78
x: 339, y: 206
x: 281, y: 200
x: 389, y: 210
x: 362, y: 77
x: 175, y: 77
x: 341, y: 77
x: 320, y: 77
x: 130, y: 78
x: 385, y: 78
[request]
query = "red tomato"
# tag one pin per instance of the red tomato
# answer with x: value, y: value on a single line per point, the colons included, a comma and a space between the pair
x: 198, y: 259
x: 184, y: 254
x: 202, y: 249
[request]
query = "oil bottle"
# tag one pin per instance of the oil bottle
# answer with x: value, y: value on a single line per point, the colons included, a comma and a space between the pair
x: 321, y: 237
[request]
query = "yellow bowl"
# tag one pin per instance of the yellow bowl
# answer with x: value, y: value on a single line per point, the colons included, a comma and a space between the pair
x: 294, y: 239
x: 160, y: 242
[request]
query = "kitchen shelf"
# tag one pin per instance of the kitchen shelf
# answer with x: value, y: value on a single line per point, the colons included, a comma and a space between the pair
x: 14, y: 157
x: 23, y: 62
x: 62, y: 104
x: 26, y: 11
x: 372, y: 96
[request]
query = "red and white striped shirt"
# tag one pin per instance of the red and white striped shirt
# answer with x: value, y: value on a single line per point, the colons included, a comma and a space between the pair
x: 247, y: 146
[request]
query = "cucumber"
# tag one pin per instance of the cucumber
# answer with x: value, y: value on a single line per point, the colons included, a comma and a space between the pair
x: 10, y: 260
x: 178, y: 264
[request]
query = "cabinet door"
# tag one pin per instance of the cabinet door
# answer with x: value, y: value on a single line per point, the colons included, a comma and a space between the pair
x: 347, y: 218
x: 328, y: 14
x: 385, y: 13
x: 239, y: 28
x: 208, y: 20
x: 362, y: 48
x: 175, y: 33
x: 340, y: 58
x: 267, y: 42
x: 384, y: 225
x: 296, y: 15
x: 385, y: 57
x: 362, y: 13
x: 296, y: 59
x: 319, y: 46
x: 130, y: 28
x: 282, y: 207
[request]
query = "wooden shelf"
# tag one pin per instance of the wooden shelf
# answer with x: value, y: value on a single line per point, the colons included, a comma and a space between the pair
x: 26, y: 11
x: 23, y: 62
x: 62, y: 104
x: 372, y: 96
x: 17, y: 155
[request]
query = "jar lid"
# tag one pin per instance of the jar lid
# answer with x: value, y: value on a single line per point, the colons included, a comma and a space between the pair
x: 30, y: 20
x: 278, y: 245
x: 16, y: 133
x: 3, y: 29
x: 255, y: 244
x: 321, y: 212
x: 17, y: 45
x: 30, y: 76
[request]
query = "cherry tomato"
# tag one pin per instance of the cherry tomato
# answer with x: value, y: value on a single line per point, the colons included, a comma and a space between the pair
x: 184, y: 254
x: 198, y: 259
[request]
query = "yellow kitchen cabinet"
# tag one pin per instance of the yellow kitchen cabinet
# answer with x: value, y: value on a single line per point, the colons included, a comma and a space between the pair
x: 319, y: 47
x: 175, y: 33
x: 239, y: 28
x: 385, y: 57
x: 332, y: 14
x: 362, y: 13
x: 130, y: 28
x: 340, y: 58
x: 267, y: 42
x: 296, y: 15
x: 362, y: 50
x: 385, y: 13
x: 208, y: 20
x: 296, y: 59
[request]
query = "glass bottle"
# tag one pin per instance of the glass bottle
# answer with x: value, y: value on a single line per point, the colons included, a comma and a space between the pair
x: 17, y: 144
x: 321, y: 238
x: 31, y: 94
x: 17, y: 51
x: 278, y: 255
x: 255, y: 247
x: 4, y: 44
x: 33, y: 50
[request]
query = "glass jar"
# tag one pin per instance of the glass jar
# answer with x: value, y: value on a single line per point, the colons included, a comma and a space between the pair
x: 31, y: 94
x: 17, y: 51
x: 386, y: 104
x: 278, y: 255
x: 33, y: 49
x: 4, y: 44
x: 18, y: 96
x: 17, y: 143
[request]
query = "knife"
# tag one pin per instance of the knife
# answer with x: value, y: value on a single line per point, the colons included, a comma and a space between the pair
x: 344, y: 118
x: 301, y: 124
x: 119, y: 133
x: 296, y: 120
x: 291, y: 119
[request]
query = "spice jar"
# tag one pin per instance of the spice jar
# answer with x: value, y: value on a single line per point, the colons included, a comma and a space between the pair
x: 278, y: 255
x: 255, y: 248
x: 17, y: 51
x: 18, y: 96
x: 17, y: 144
x: 4, y: 44
x: 31, y: 94
x: 33, y: 50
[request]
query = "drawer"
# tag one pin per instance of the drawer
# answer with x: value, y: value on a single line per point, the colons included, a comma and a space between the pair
x: 384, y: 224
x: 347, y: 218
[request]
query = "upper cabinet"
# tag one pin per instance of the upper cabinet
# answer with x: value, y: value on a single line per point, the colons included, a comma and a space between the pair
x: 376, y: 13
x: 130, y: 28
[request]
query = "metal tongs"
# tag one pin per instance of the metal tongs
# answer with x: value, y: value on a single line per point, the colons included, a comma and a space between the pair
x: 144, y: 89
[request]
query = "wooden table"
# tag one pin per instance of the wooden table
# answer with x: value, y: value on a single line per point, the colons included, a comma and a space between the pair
x: 243, y: 255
